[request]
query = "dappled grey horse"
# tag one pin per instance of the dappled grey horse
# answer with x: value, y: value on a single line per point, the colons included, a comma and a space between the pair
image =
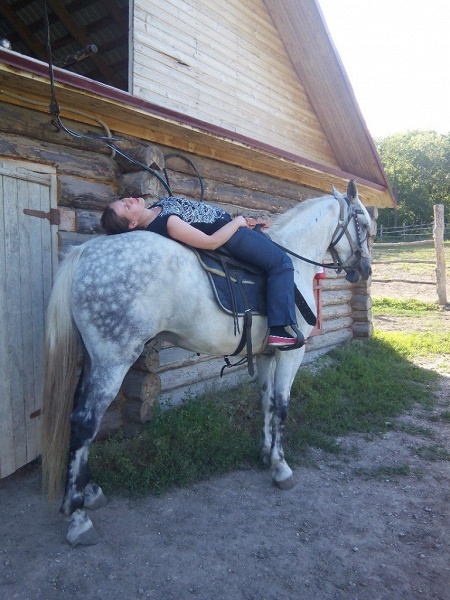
x: 114, y: 293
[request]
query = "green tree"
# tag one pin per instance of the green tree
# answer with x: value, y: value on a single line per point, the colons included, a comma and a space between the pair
x: 417, y: 164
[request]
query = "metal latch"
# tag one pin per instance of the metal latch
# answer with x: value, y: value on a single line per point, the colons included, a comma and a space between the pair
x: 54, y: 215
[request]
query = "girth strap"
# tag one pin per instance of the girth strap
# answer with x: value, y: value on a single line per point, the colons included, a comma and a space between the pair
x: 246, y: 338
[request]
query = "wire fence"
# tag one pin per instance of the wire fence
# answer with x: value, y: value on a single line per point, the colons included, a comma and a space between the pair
x: 411, y: 235
x: 408, y: 233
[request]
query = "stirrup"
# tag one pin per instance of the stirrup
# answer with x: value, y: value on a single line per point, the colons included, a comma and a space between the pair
x: 298, y: 344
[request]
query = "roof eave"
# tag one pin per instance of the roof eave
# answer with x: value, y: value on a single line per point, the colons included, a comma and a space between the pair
x: 130, y: 115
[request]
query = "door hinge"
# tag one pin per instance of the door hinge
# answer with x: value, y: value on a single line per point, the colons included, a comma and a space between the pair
x: 54, y: 215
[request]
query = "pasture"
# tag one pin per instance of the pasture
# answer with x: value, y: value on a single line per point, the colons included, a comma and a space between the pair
x: 367, y: 518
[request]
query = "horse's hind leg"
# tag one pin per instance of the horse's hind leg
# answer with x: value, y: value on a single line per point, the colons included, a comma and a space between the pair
x: 90, y: 405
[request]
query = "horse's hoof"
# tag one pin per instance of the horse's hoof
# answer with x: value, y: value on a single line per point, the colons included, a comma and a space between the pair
x: 285, y: 484
x: 81, y: 531
x: 94, y: 498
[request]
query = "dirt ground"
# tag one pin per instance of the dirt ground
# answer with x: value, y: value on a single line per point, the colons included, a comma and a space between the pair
x: 354, y: 527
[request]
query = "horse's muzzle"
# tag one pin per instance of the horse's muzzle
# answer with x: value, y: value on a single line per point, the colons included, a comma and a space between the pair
x: 363, y: 270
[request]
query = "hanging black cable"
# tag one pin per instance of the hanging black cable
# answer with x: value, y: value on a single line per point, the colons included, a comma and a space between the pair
x: 109, y: 141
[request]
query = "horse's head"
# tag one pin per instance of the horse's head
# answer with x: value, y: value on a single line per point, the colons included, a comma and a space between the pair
x: 349, y: 246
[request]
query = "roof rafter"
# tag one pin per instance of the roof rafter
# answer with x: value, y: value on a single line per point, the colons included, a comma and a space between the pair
x: 67, y: 20
x: 23, y: 31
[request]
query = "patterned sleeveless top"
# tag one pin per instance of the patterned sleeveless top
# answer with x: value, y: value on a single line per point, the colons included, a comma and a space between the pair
x: 202, y: 216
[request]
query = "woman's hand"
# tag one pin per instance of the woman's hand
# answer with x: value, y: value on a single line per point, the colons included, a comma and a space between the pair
x: 240, y: 221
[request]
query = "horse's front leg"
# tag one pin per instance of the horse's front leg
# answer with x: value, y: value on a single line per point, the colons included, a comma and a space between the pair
x: 287, y: 364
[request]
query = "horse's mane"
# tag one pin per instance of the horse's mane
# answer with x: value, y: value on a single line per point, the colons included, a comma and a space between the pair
x: 285, y: 218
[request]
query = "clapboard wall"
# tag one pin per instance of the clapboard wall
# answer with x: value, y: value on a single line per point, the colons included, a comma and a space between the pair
x: 225, y: 64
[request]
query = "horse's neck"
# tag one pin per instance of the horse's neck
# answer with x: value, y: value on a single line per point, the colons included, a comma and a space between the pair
x: 308, y: 228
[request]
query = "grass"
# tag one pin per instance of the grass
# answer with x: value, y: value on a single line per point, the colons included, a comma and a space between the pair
x: 359, y: 388
x: 405, y: 307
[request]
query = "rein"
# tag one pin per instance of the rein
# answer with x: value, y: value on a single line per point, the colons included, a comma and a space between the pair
x: 340, y: 231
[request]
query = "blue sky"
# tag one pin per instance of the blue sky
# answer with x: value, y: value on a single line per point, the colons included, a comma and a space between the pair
x: 397, y: 57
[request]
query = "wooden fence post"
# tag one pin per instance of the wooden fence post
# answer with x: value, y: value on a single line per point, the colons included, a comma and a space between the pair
x: 438, y: 235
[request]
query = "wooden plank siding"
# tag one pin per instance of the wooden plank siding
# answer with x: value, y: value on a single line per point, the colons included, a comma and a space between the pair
x: 224, y: 63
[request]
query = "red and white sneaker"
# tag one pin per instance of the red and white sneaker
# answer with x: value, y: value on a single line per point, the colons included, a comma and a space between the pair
x: 278, y: 336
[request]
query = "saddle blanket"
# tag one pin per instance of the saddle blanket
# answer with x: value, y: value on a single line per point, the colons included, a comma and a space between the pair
x: 244, y: 288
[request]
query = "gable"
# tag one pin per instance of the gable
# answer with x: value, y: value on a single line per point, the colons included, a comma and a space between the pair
x: 228, y: 68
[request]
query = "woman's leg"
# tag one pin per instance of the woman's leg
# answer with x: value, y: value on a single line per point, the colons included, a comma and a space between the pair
x: 258, y: 250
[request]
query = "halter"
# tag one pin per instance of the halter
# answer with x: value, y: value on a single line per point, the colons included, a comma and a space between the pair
x: 341, y: 229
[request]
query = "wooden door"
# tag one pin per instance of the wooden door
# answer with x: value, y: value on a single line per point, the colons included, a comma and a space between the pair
x: 28, y: 258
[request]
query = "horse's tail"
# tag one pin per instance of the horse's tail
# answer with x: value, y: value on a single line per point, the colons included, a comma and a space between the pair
x: 62, y: 347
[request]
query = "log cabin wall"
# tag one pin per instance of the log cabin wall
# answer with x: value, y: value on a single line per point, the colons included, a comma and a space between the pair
x: 225, y: 64
x: 88, y: 177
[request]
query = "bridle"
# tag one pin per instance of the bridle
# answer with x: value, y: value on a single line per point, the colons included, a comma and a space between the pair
x: 347, y: 213
x: 342, y: 229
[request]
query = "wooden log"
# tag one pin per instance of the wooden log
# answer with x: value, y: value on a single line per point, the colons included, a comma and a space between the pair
x: 67, y: 160
x: 36, y: 123
x: 335, y: 311
x: 438, y: 235
x: 232, y: 378
x: 339, y: 296
x: 215, y: 191
x: 77, y: 192
x: 191, y: 374
x: 336, y: 324
x: 362, y: 315
x: 148, y: 361
x: 174, y: 358
x: 141, y: 386
x: 150, y: 156
x: 68, y: 239
x: 362, y: 330
x: 112, y: 421
x: 338, y: 282
x: 361, y: 302
x: 135, y: 411
x: 330, y: 340
x: 140, y: 183
x: 215, y: 170
x: 88, y: 221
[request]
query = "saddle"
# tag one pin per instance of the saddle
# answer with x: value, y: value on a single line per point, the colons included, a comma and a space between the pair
x: 240, y: 290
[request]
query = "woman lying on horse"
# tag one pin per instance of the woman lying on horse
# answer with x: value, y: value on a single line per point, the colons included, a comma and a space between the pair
x: 207, y: 227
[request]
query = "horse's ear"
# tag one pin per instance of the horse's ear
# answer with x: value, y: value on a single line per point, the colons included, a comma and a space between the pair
x: 336, y: 194
x: 352, y: 192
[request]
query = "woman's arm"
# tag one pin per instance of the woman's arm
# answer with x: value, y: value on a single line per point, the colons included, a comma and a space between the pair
x: 183, y: 232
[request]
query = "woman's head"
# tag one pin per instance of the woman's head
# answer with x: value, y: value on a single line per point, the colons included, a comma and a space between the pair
x: 124, y: 215
x: 113, y: 223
